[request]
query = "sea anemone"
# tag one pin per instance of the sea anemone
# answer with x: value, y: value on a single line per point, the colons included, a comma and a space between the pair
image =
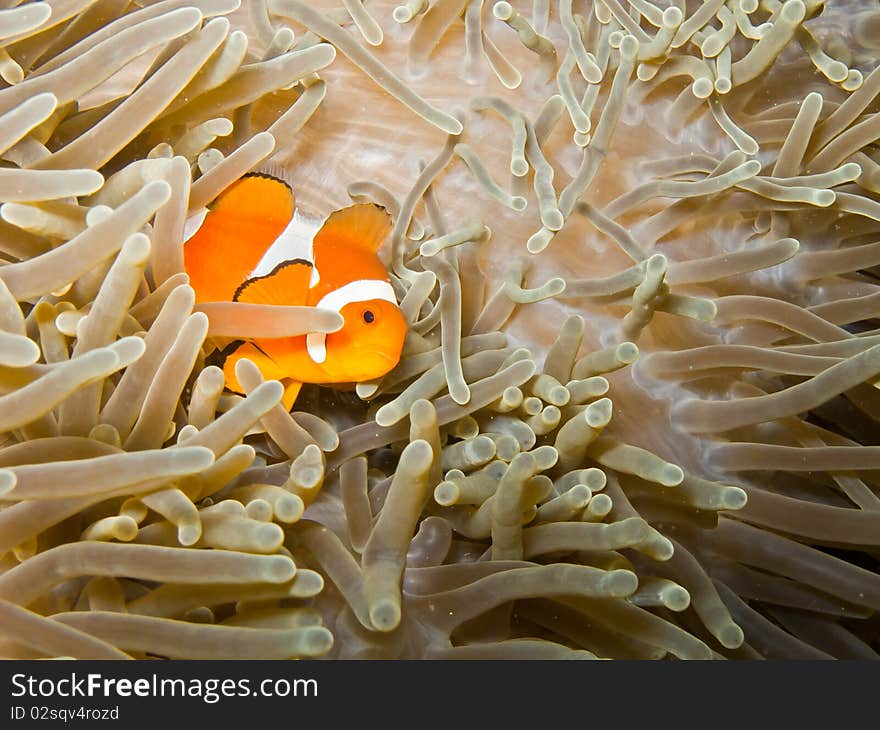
x: 636, y: 412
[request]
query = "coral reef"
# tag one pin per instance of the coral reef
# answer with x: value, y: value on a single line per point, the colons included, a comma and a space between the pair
x: 636, y: 412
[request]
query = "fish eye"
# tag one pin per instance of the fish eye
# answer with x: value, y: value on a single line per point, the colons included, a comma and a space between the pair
x: 369, y: 317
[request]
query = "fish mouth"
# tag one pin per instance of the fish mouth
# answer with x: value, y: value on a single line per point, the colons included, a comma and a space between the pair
x: 384, y: 356
x: 388, y: 360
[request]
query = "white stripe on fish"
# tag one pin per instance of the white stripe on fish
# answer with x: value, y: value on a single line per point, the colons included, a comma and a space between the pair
x: 362, y: 290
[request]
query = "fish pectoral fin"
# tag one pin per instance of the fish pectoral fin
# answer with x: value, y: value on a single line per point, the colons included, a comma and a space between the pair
x: 287, y: 284
x: 267, y: 366
x: 291, y: 391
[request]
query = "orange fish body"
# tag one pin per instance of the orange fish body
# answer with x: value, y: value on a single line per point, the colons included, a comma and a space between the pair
x: 252, y: 246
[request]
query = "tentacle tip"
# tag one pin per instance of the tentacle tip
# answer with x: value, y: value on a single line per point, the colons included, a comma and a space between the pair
x: 402, y: 14
x: 703, y: 87
x: 731, y: 636
x: 620, y: 583
x: 385, y: 615
x: 519, y: 167
x: 281, y: 569
x: 539, y: 241
x: 678, y: 599
x: 734, y: 498
x: 502, y: 10
x: 671, y: 475
x: 723, y: 85
x: 553, y: 219
x: 188, y: 535
x: 7, y: 481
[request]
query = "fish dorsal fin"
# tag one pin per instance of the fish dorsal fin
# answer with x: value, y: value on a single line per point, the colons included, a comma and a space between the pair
x: 273, y: 169
x: 257, y: 195
x: 287, y: 285
x: 364, y: 226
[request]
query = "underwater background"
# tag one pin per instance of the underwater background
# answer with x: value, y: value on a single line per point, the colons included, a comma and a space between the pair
x: 636, y: 414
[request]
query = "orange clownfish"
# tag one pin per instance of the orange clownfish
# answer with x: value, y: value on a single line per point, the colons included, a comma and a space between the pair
x: 253, y: 245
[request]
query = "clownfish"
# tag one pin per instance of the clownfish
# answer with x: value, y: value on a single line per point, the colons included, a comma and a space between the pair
x: 253, y: 245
